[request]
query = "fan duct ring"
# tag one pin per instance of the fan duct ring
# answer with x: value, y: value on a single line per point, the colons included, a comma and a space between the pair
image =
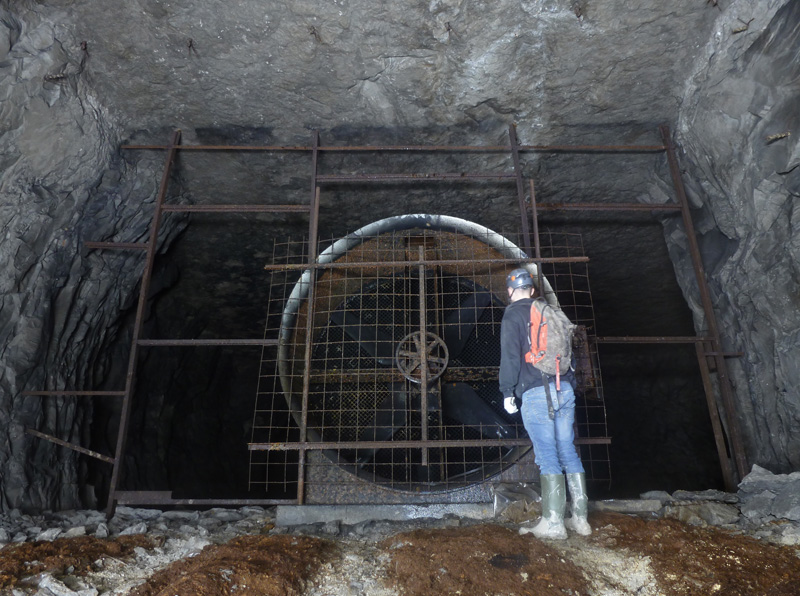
x: 360, y: 325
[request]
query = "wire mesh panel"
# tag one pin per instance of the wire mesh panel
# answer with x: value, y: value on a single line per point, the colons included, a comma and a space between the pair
x: 402, y: 334
x: 570, y: 282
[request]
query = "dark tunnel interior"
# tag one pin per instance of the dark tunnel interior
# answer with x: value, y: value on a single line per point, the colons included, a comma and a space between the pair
x: 193, y: 408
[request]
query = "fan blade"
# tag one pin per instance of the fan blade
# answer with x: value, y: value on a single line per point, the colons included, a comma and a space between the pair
x: 390, y: 416
x: 459, y: 324
x: 461, y: 402
x: 370, y: 338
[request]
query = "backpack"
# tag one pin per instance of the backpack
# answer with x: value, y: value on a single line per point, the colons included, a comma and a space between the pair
x: 550, y: 339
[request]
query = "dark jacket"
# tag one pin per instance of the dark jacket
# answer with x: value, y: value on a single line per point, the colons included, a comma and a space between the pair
x: 516, y: 375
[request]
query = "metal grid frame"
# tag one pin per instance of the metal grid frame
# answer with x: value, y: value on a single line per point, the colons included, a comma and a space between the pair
x: 364, y: 410
x: 711, y: 357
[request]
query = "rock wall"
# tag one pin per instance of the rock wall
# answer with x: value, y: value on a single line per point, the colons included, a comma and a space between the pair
x: 739, y: 129
x: 63, y: 183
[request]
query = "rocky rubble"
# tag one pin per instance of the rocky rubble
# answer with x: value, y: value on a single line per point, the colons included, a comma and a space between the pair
x: 767, y: 506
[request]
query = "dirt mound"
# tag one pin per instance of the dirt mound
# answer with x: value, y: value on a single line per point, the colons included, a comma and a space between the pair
x: 75, y: 556
x: 479, y: 560
x: 691, y: 561
x: 246, y: 566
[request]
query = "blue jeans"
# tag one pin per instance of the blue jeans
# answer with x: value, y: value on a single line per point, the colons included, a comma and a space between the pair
x: 552, y: 440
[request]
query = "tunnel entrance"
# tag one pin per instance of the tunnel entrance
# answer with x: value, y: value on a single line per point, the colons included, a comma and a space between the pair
x: 296, y: 449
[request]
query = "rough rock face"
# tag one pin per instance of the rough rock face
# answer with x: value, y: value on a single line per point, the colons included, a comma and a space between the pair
x: 571, y: 71
x: 739, y: 130
x: 63, y: 183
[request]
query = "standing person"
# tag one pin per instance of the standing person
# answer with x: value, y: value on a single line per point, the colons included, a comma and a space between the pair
x: 547, y: 418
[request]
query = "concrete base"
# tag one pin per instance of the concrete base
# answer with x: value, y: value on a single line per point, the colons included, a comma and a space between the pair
x: 293, y: 515
x: 627, y: 505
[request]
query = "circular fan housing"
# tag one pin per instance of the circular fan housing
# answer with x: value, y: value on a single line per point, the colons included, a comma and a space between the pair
x: 405, y: 345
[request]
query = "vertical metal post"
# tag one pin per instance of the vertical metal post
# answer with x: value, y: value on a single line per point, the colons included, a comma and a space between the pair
x: 523, y: 212
x: 423, y: 356
x: 728, y: 474
x: 144, y: 290
x: 313, y: 229
x: 536, y: 244
x: 737, y: 445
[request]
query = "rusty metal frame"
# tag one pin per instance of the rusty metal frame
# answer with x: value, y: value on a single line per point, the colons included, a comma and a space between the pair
x: 739, y: 463
x: 709, y: 350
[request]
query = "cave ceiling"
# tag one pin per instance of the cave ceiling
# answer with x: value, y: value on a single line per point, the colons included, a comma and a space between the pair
x: 440, y: 72
x: 363, y: 72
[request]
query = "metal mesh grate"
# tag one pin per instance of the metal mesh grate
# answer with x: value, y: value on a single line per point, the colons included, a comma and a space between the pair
x: 362, y: 400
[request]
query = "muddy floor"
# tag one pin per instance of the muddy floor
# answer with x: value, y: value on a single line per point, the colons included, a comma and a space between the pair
x: 625, y: 555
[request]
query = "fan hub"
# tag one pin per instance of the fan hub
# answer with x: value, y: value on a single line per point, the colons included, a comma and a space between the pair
x: 422, y: 360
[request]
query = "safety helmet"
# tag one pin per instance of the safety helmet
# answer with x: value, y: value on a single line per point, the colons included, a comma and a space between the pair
x: 519, y: 278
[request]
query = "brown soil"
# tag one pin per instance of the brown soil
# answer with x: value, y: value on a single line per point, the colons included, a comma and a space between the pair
x: 478, y: 561
x: 63, y: 556
x: 246, y: 566
x: 690, y: 561
x: 473, y: 560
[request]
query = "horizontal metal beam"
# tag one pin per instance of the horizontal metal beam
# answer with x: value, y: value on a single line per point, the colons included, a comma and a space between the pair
x: 78, y: 448
x: 117, y: 245
x: 451, y: 374
x: 419, y: 148
x: 605, y: 207
x: 660, y: 339
x: 69, y: 392
x: 325, y: 445
x: 126, y: 497
x: 432, y: 263
x: 411, y: 177
x: 236, y: 208
x: 206, y: 342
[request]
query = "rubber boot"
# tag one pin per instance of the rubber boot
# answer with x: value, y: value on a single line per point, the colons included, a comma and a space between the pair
x: 580, y: 504
x: 554, y: 503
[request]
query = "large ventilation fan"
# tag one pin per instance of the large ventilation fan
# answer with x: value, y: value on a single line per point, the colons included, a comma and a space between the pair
x: 405, y: 345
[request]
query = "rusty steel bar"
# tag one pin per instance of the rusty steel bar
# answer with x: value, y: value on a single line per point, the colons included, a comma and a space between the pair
x: 313, y: 230
x: 122, y: 433
x: 451, y: 374
x: 423, y: 374
x: 78, y: 448
x: 737, y: 445
x: 134, y: 497
x: 325, y: 445
x: 537, y: 245
x: 403, y: 264
x: 415, y: 148
x: 606, y: 207
x: 117, y: 245
x: 675, y: 339
x: 411, y: 177
x: 593, y: 148
x: 236, y: 208
x: 728, y: 475
x: 206, y: 342
x: 85, y: 393
x: 523, y: 213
